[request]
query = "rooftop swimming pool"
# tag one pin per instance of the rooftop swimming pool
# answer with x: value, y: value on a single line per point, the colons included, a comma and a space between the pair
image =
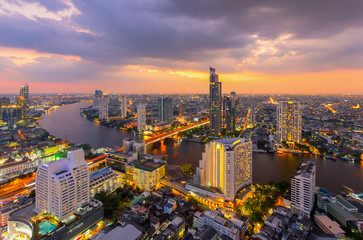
x: 46, y: 227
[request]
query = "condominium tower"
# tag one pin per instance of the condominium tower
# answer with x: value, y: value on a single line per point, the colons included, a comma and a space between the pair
x: 63, y: 186
x: 227, y: 165
x: 288, y: 122
x: 141, y: 117
x: 215, y: 98
x: 303, y: 189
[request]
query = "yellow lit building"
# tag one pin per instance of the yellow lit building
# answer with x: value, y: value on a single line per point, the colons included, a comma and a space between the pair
x: 288, y: 122
x: 226, y: 165
x: 146, y: 174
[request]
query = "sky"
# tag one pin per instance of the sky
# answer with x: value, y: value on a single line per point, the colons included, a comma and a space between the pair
x: 167, y: 46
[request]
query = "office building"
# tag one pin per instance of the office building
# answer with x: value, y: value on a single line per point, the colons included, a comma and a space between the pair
x: 103, y: 107
x: 303, y: 189
x: 252, y: 118
x: 24, y: 92
x: 63, y: 186
x: 234, y: 228
x: 165, y: 109
x: 227, y: 165
x: 123, y: 106
x: 215, y: 98
x: 141, y: 117
x: 181, y: 110
x: 288, y: 122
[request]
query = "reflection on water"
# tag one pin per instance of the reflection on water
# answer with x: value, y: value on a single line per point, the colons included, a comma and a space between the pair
x: 66, y: 122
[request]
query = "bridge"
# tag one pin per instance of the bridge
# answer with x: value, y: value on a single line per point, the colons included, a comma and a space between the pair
x: 169, y: 134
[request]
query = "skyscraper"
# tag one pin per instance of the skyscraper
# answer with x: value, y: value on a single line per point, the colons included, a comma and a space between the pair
x: 230, y: 113
x: 96, y: 98
x: 215, y: 98
x: 181, y: 109
x: 123, y: 106
x: 166, y: 109
x: 21, y: 102
x: 24, y: 92
x: 226, y: 164
x: 288, y: 122
x: 303, y: 189
x: 141, y: 117
x: 103, y: 107
x: 62, y: 186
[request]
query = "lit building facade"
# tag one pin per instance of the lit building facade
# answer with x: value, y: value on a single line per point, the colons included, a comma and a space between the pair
x: 146, y: 174
x: 24, y: 92
x: 303, y: 189
x: 123, y: 106
x: 230, y: 113
x: 98, y: 94
x: 63, y: 186
x: 141, y: 117
x: 103, y: 107
x: 227, y: 165
x: 166, y: 109
x: 288, y: 122
x: 21, y: 102
x: 104, y: 180
x: 215, y: 98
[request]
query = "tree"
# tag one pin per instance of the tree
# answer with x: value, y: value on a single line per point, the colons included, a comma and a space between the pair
x: 188, y: 169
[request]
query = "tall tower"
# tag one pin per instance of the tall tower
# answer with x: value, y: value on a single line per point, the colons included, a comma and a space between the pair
x: 288, y: 122
x: 103, y: 107
x: 96, y: 98
x: 303, y: 189
x: 226, y: 164
x: 230, y: 113
x: 141, y: 117
x: 215, y: 98
x: 123, y: 106
x: 24, y: 92
x: 62, y: 186
x: 166, y: 109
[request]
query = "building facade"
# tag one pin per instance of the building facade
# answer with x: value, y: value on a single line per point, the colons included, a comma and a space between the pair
x: 104, y: 180
x: 227, y: 165
x: 288, y: 122
x: 24, y: 92
x: 165, y: 109
x: 303, y: 189
x: 141, y: 117
x: 215, y: 98
x: 63, y: 186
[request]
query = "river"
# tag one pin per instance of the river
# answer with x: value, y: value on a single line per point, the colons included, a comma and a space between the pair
x: 66, y: 123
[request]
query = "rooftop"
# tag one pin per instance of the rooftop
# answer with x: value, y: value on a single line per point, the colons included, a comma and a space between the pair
x: 229, y: 141
x: 148, y: 165
x: 99, y: 172
x: 129, y: 232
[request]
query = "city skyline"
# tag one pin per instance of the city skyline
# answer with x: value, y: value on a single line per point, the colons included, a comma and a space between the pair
x: 258, y: 47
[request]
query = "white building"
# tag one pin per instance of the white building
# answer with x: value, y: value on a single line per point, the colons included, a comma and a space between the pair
x: 104, y: 180
x: 288, y: 122
x: 141, y: 117
x: 103, y: 107
x: 227, y: 165
x: 123, y: 106
x: 234, y: 228
x: 63, y: 186
x: 303, y: 189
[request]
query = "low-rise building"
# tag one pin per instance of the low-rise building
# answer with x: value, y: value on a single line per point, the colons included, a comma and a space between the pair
x: 104, y: 180
x: 329, y: 226
x: 146, y: 174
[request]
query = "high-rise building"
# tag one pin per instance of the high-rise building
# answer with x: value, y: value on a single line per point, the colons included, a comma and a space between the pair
x: 181, y: 110
x: 230, y: 113
x: 103, y: 107
x: 288, y: 122
x: 226, y: 164
x: 63, y: 186
x: 166, y: 109
x: 96, y: 98
x: 303, y: 189
x: 123, y: 106
x: 114, y: 101
x: 141, y: 117
x: 24, y: 92
x: 215, y: 98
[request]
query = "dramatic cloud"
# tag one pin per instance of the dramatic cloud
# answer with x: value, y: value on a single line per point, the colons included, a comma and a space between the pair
x: 115, y: 44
